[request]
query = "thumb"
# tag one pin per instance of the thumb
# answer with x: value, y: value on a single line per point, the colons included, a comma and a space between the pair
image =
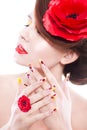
x: 66, y: 86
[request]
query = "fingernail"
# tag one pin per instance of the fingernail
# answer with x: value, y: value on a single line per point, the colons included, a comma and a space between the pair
x: 25, y: 85
x: 31, y: 68
x: 47, y: 113
x: 53, y: 88
x: 43, y: 79
x: 50, y: 88
x: 41, y: 61
x: 54, y: 109
x: 53, y: 96
x: 28, y: 75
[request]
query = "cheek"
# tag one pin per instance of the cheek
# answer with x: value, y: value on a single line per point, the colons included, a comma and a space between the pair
x: 42, y: 50
x: 46, y: 53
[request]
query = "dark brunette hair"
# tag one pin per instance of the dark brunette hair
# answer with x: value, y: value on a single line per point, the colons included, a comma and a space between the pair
x: 77, y: 69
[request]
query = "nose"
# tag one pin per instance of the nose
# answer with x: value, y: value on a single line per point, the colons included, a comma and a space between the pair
x: 24, y: 34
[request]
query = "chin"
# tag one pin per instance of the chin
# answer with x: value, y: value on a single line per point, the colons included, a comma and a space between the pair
x: 23, y: 61
x: 20, y: 63
x: 20, y: 60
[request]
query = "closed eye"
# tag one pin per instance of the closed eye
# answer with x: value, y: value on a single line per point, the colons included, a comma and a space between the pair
x: 29, y: 21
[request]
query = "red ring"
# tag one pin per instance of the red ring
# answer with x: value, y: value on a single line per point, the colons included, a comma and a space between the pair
x: 24, y: 103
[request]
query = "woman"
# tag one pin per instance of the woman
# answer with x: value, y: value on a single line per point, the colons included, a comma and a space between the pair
x: 56, y: 34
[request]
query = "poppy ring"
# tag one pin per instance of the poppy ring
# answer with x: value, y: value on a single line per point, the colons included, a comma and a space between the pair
x: 24, y: 103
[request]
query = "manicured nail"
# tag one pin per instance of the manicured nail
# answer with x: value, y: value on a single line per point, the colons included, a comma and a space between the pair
x: 25, y: 85
x: 50, y: 88
x: 54, y: 109
x: 28, y: 76
x: 19, y: 80
x: 53, y: 96
x: 43, y: 79
x: 41, y: 62
x: 53, y: 88
x: 31, y: 68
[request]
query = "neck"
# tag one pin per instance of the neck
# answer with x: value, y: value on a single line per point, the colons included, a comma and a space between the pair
x: 57, y: 71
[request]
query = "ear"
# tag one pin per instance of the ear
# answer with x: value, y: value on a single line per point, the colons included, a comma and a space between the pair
x: 69, y: 57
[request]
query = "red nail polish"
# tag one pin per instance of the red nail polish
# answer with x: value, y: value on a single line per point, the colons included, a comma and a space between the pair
x: 42, y: 62
x: 31, y: 68
x: 44, y: 79
x: 54, y: 86
x: 28, y: 75
x: 53, y: 96
x: 25, y: 85
x: 54, y: 109
x: 50, y: 88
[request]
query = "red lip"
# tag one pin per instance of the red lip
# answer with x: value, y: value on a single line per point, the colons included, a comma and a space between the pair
x: 20, y: 49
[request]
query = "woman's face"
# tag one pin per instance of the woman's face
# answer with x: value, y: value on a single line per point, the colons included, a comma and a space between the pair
x: 31, y: 47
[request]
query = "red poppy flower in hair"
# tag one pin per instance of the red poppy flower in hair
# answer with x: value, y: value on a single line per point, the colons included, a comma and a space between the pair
x: 66, y: 19
x: 24, y: 103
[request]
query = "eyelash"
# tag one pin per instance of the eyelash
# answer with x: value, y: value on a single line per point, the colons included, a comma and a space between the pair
x: 28, y: 24
x: 29, y: 21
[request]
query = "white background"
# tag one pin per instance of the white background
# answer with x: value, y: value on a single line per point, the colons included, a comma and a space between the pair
x: 13, y: 17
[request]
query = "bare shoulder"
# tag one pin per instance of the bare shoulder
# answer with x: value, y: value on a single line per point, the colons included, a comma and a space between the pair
x: 79, y: 111
x: 8, y: 87
x: 7, y: 83
x: 7, y: 80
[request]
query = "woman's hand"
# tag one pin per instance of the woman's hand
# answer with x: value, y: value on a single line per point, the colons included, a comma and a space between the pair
x: 61, y: 118
x: 24, y: 120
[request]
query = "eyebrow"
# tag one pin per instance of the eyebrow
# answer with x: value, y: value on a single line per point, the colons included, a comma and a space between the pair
x: 29, y: 16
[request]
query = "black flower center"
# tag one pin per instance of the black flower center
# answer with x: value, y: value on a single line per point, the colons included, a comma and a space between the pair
x: 74, y: 16
x: 24, y: 103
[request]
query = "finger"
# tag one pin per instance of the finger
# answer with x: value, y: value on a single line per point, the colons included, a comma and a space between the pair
x: 66, y: 89
x: 38, y: 76
x: 42, y: 103
x: 65, y: 86
x: 29, y: 90
x: 35, y: 73
x: 48, y: 73
x: 38, y: 96
x: 20, y: 86
x: 30, y: 78
x: 37, y: 117
x: 52, y: 80
x: 38, y: 105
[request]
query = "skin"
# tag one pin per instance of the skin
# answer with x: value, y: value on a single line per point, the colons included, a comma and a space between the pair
x: 39, y: 48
